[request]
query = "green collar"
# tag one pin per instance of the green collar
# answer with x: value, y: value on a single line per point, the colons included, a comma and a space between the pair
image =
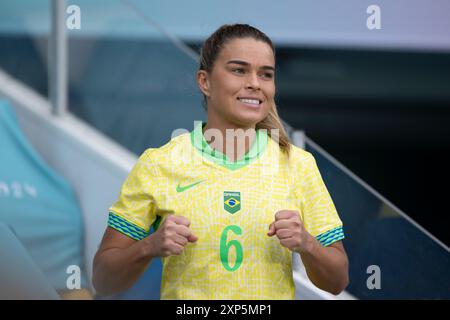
x: 201, y: 145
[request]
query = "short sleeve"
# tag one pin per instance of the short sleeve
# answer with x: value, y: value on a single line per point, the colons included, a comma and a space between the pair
x: 134, y: 211
x: 319, y: 214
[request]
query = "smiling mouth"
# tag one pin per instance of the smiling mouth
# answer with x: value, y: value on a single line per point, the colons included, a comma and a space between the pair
x: 250, y: 101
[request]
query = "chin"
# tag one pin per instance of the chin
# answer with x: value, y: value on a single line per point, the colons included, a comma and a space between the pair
x: 249, y: 121
x: 249, y: 118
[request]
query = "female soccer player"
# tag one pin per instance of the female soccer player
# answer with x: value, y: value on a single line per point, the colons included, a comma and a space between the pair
x: 227, y: 215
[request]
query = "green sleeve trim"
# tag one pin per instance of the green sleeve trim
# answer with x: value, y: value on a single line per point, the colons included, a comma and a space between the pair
x: 127, y: 228
x: 331, y: 236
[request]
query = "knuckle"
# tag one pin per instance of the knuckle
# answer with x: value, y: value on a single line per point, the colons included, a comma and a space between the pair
x: 185, y: 220
x: 183, y: 229
x: 170, y: 226
x: 166, y: 244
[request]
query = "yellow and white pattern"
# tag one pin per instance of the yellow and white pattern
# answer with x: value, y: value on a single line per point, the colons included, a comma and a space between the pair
x: 233, y: 257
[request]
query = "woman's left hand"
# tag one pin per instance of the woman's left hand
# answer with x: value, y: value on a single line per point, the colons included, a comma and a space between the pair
x: 290, y: 230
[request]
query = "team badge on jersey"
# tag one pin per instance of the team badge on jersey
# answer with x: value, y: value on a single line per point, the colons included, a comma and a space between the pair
x: 232, y: 201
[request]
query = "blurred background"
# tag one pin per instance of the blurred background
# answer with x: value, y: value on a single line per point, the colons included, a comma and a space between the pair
x: 95, y: 83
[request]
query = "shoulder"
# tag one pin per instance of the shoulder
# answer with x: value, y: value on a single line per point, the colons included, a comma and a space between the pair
x: 296, y: 158
x: 174, y: 146
x: 300, y: 158
x: 300, y: 154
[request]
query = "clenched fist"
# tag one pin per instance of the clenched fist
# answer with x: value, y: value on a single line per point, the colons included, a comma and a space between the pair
x: 290, y: 230
x: 172, y: 236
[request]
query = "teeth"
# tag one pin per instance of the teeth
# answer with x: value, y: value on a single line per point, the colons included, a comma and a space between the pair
x: 251, y: 101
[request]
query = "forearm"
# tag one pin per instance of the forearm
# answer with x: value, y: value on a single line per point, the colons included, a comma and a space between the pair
x: 327, y: 267
x: 117, y: 269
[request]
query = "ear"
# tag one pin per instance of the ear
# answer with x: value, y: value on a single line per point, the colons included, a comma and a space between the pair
x: 203, y: 82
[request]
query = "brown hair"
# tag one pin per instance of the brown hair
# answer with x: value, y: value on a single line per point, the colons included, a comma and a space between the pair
x: 211, y: 49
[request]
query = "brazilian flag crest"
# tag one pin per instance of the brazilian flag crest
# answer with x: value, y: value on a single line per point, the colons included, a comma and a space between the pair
x: 232, y: 201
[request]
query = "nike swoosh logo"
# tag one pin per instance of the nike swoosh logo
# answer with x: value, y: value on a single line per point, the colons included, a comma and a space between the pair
x: 181, y: 189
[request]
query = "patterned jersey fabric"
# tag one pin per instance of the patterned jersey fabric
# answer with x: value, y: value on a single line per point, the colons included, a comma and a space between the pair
x: 230, y: 206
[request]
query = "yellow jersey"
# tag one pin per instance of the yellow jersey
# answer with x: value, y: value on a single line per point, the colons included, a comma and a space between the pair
x: 230, y: 206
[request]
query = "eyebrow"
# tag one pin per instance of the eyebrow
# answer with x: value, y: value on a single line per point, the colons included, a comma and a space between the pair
x: 243, y: 63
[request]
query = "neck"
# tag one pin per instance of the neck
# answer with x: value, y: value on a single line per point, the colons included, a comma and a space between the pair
x: 234, y: 140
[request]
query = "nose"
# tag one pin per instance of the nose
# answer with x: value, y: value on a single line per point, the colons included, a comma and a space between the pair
x: 253, y: 81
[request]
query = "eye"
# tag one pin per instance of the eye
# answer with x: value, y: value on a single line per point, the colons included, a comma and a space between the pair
x: 238, y: 70
x: 267, y: 75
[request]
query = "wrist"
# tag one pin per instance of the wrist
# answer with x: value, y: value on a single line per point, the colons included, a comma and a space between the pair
x: 148, y: 247
x: 310, y: 245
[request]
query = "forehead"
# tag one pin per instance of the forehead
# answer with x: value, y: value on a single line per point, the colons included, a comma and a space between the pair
x: 247, y: 49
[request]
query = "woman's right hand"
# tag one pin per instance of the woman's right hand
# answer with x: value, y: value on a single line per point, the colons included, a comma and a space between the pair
x: 172, y: 236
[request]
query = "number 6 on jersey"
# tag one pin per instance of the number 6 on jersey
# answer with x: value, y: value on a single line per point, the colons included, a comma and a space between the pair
x: 225, y: 247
